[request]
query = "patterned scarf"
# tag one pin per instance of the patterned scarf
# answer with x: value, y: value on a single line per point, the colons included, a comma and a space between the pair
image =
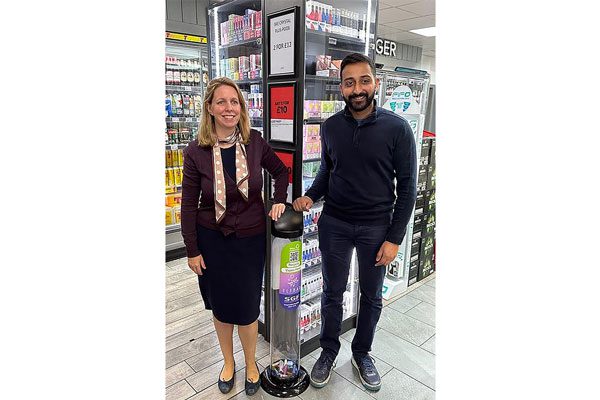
x: 241, y: 176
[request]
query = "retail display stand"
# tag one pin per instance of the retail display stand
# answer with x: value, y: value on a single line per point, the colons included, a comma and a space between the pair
x: 405, y: 91
x: 285, y: 377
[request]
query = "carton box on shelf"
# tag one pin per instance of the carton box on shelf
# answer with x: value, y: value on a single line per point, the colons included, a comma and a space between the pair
x: 425, y: 268
x: 430, y: 201
x: 420, y: 202
x: 169, y: 216
x: 431, y: 177
x: 414, y: 266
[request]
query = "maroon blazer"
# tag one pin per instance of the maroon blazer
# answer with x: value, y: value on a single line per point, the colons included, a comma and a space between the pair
x: 245, y: 218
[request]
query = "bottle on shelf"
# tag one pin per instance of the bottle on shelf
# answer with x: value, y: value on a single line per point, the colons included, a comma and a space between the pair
x: 183, y: 77
x: 176, y: 77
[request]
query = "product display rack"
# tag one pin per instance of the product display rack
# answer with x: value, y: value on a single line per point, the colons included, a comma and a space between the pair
x: 325, y: 32
x: 186, y: 75
x: 405, y: 92
x: 236, y: 46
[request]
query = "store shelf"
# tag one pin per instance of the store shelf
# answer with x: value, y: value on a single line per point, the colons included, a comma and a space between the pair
x: 313, y: 332
x: 321, y: 78
x: 314, y: 120
x: 173, y: 228
x: 306, y: 268
x: 183, y: 68
x: 182, y: 88
x: 182, y: 119
x: 311, y: 160
x: 311, y: 296
x: 246, y: 81
x: 337, y: 36
x: 253, y: 41
x: 175, y: 146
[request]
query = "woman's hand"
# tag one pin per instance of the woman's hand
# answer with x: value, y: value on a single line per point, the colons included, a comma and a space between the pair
x: 196, y: 264
x: 276, y: 211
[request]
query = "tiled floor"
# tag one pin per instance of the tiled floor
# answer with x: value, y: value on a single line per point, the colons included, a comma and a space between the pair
x: 404, y: 348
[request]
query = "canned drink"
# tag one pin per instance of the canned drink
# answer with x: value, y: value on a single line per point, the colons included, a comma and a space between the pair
x: 171, y: 176
x: 180, y: 156
x: 168, y: 158
x: 177, y: 171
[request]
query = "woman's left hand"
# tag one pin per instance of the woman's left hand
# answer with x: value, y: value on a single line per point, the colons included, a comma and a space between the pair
x: 276, y: 211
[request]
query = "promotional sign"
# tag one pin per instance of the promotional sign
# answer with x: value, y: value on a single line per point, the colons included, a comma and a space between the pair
x: 282, y: 112
x: 186, y: 38
x: 288, y: 161
x: 281, y: 43
x: 402, y: 101
x: 289, y: 275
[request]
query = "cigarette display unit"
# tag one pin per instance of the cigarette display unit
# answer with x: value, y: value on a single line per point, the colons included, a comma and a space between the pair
x: 405, y: 92
x: 323, y: 33
x: 186, y: 76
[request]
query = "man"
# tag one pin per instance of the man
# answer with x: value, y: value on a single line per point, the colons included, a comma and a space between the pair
x: 364, y: 148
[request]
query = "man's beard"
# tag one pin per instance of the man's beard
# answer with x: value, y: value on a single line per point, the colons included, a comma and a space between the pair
x: 365, y: 105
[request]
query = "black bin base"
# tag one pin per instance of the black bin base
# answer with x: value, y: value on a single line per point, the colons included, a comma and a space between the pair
x: 284, y: 389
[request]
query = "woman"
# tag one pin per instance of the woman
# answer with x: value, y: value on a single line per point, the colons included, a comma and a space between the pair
x: 224, y: 234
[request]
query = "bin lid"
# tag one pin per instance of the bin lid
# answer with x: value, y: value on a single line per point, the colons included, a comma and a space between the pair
x: 289, y: 225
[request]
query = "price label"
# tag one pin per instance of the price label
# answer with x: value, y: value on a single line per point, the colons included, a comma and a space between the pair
x: 332, y: 41
x: 175, y: 119
x: 187, y: 88
x: 173, y: 147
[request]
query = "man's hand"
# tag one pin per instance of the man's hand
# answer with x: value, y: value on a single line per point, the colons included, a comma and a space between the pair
x: 196, y: 264
x: 303, y: 203
x: 386, y: 253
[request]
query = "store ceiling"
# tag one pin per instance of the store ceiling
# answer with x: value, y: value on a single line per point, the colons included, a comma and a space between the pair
x: 398, y: 17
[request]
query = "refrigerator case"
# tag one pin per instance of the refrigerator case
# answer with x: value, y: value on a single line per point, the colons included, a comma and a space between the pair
x: 405, y: 92
x: 235, y: 34
x: 185, y: 79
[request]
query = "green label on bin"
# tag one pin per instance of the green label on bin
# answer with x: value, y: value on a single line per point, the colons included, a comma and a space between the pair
x: 289, y: 277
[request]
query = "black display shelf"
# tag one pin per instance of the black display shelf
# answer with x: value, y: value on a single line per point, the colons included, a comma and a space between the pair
x: 254, y: 41
x: 337, y: 36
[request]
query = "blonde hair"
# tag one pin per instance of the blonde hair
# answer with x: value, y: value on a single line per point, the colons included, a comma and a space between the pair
x: 207, y: 133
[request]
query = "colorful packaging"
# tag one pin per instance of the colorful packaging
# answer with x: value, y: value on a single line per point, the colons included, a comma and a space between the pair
x: 169, y: 216
x: 180, y: 157
x: 168, y: 158
x: 177, y: 214
x: 171, y: 177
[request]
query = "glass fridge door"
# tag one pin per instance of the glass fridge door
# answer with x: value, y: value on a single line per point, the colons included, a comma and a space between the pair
x: 186, y: 74
x: 235, y: 31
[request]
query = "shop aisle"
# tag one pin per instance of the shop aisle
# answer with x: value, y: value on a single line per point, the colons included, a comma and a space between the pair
x: 404, y: 348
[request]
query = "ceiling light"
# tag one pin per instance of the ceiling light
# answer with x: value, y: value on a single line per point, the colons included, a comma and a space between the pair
x: 425, y: 31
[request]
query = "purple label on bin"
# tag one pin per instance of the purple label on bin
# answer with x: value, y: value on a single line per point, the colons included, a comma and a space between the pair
x: 289, y: 277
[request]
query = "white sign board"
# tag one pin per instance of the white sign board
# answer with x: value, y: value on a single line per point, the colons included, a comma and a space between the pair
x: 281, y: 42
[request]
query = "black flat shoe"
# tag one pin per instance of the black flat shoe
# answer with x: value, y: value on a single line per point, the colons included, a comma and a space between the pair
x: 226, y: 386
x: 252, y: 387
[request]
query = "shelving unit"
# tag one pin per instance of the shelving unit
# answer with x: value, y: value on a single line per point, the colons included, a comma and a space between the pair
x: 322, y: 41
x: 183, y: 107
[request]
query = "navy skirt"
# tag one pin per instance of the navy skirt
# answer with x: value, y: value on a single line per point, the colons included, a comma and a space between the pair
x: 231, y: 284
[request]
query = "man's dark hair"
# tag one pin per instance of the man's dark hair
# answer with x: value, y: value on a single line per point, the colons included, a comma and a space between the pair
x: 357, y: 58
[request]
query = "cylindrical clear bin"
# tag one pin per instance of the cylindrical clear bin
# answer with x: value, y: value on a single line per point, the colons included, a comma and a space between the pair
x: 284, y: 377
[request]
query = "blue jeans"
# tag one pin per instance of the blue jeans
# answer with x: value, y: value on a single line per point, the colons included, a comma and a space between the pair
x: 336, y: 241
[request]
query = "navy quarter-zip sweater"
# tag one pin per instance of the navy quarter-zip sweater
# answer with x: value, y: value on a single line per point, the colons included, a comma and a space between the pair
x: 361, y: 163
